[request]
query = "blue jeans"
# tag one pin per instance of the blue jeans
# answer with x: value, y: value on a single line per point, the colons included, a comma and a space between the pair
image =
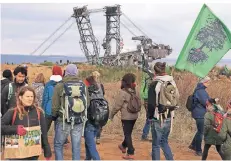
x: 61, y: 136
x: 98, y: 134
x: 146, y: 129
x: 90, y: 132
x: 160, y: 139
x: 197, y: 140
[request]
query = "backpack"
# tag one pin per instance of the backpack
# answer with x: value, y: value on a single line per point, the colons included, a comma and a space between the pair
x: 189, y: 103
x: 169, y: 95
x: 74, y: 102
x: 134, y: 104
x: 15, y: 114
x: 98, y: 111
x: 218, y: 119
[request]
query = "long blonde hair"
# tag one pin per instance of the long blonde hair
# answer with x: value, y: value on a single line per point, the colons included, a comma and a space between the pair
x: 20, y: 107
x: 40, y: 79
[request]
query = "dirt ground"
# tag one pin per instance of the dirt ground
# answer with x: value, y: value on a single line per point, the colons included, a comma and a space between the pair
x: 108, y: 150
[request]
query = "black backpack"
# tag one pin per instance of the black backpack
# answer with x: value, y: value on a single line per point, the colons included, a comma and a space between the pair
x: 189, y: 103
x: 98, y: 111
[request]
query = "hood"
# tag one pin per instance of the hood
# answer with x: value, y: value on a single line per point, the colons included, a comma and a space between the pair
x: 51, y: 83
x: 56, y: 78
x: 166, y: 78
x: 5, y: 80
x: 36, y: 85
x: 200, y: 86
x: 70, y: 78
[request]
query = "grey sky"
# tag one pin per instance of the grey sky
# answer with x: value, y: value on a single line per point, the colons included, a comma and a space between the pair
x: 25, y: 26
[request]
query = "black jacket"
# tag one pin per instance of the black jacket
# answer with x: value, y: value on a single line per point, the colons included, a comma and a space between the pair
x: 28, y: 121
x: 151, y: 100
x: 4, y: 82
x: 5, y: 103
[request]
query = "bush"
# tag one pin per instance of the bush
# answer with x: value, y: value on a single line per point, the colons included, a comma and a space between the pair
x: 47, y: 63
x: 108, y: 74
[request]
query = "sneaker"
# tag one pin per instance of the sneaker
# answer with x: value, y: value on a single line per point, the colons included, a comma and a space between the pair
x: 128, y: 157
x: 122, y: 148
x: 192, y: 148
x: 97, y: 141
x: 198, y: 153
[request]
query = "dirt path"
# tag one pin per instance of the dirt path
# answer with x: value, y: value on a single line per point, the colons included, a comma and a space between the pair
x: 108, y: 150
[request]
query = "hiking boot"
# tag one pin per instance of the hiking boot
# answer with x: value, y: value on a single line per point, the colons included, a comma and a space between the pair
x: 192, y: 148
x: 198, y: 153
x: 97, y: 141
x: 128, y: 156
x: 123, y: 150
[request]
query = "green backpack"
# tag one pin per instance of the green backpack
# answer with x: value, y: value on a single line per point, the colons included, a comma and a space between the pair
x: 146, y: 81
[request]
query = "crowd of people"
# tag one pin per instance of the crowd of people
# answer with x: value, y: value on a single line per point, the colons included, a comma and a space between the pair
x: 78, y: 108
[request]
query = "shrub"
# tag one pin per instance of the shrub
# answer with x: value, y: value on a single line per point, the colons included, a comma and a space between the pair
x: 47, y: 63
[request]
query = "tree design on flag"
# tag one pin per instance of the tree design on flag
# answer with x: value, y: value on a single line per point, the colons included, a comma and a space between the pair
x: 212, y: 36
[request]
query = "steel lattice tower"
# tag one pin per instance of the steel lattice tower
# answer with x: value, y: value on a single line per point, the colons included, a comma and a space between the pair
x: 86, y: 34
x: 113, y: 14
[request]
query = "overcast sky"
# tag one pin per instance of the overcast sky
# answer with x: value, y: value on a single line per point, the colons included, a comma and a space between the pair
x: 26, y: 26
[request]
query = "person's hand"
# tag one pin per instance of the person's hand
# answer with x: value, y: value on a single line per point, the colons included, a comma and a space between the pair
x: 21, y: 130
x: 48, y: 158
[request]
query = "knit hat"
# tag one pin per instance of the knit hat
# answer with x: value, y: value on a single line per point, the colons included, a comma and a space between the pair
x: 205, y: 79
x: 7, y: 74
x: 57, y: 70
x: 71, y: 69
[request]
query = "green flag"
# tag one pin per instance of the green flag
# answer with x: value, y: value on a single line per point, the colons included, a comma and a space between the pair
x: 208, y: 41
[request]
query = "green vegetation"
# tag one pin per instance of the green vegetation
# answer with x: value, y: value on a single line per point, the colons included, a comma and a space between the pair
x: 108, y: 74
x: 47, y: 63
